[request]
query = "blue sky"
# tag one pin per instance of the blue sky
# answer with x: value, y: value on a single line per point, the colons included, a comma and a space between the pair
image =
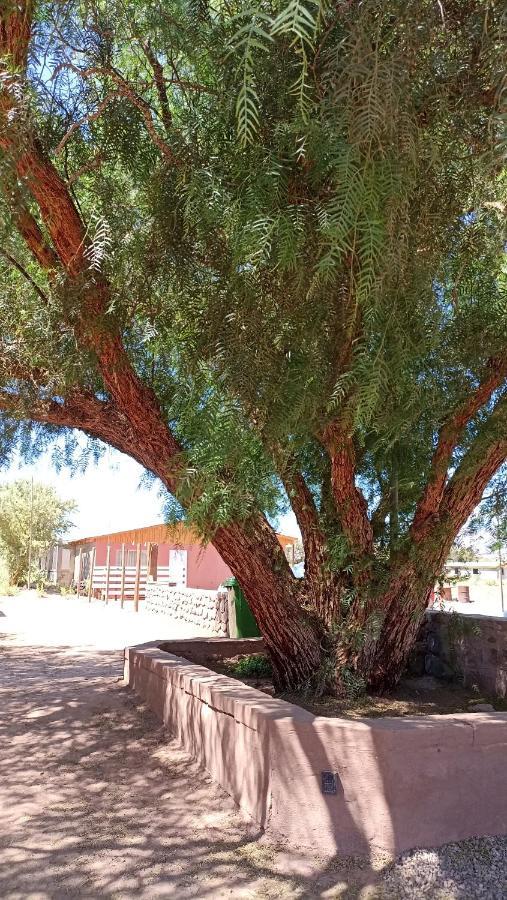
x: 109, y: 495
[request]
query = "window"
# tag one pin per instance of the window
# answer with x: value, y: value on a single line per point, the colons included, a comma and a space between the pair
x: 475, y: 571
x: 456, y: 571
x: 131, y: 558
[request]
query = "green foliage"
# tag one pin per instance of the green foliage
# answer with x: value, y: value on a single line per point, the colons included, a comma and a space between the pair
x: 490, y: 518
x: 257, y: 665
x: 324, y: 241
x: 40, y: 582
x: 251, y: 37
x: 5, y: 585
x: 463, y: 552
x: 354, y: 685
x: 46, y: 517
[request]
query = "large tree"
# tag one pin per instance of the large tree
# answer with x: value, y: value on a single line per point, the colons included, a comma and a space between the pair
x: 258, y: 247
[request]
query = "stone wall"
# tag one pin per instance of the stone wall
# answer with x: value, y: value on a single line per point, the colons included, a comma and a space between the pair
x: 206, y: 609
x: 470, y: 647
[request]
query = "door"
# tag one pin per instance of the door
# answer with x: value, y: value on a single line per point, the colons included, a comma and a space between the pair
x: 178, y: 567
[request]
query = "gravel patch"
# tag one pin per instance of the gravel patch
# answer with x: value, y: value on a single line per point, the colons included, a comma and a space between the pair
x: 469, y: 870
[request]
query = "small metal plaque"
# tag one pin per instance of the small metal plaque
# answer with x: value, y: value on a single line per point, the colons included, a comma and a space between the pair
x: 328, y: 782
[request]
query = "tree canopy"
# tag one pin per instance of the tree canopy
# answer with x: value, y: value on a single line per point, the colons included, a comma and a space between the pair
x: 260, y: 247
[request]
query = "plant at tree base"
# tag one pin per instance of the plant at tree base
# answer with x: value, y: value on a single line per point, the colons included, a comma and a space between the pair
x: 254, y: 666
x: 37, y: 516
x: 259, y: 249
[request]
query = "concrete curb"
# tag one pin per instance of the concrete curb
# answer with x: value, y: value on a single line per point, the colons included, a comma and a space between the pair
x: 396, y: 783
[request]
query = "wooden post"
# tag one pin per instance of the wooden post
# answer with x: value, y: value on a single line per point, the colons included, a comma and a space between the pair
x: 92, y: 566
x: 152, y: 561
x: 138, y: 577
x: 79, y: 572
x: 108, y: 566
x: 122, y: 588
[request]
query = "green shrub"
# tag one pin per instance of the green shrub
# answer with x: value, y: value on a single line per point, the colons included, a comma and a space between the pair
x: 10, y: 590
x: 7, y: 589
x: 255, y: 666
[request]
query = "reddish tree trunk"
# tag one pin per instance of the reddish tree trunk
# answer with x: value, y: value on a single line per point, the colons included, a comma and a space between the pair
x: 400, y: 608
x: 384, y: 659
x: 291, y: 634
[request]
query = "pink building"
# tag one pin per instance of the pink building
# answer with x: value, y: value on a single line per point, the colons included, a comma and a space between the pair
x: 117, y: 565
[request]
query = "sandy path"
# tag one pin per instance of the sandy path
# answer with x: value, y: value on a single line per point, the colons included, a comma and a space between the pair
x: 95, y: 800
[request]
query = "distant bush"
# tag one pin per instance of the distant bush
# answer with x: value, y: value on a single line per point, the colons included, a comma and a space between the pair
x: 5, y: 585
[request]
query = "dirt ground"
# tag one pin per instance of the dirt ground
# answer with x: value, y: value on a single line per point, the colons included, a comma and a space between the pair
x: 97, y: 801
x: 422, y: 696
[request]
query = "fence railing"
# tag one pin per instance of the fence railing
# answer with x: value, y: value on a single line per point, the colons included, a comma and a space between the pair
x: 101, y: 581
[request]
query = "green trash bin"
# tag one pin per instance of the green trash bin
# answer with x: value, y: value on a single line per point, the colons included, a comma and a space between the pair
x: 246, y: 625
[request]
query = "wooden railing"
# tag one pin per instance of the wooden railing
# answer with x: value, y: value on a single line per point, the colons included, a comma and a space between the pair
x: 111, y: 590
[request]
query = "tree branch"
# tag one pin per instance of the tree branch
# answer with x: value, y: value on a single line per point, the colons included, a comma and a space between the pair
x: 136, y: 415
x: 466, y: 487
x: 15, y: 33
x: 351, y: 506
x: 61, y: 218
x: 90, y: 117
x: 93, y: 163
x: 80, y: 409
x: 158, y: 72
x: 30, y: 231
x: 127, y: 91
x: 380, y: 512
x: 17, y: 265
x: 307, y: 516
x: 449, y: 436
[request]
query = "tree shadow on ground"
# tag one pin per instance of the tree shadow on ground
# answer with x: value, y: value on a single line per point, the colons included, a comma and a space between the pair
x: 97, y: 801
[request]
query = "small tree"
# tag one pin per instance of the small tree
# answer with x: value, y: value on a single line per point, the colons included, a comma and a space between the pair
x: 32, y: 517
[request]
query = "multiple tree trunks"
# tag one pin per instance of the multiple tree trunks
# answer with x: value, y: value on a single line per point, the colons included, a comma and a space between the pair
x: 383, y: 656
x: 302, y: 622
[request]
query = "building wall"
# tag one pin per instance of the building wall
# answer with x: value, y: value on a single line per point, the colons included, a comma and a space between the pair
x: 57, y: 563
x: 206, y: 569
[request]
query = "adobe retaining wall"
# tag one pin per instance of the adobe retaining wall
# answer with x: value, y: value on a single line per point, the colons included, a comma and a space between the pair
x: 206, y: 609
x: 473, y: 648
x: 394, y: 783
